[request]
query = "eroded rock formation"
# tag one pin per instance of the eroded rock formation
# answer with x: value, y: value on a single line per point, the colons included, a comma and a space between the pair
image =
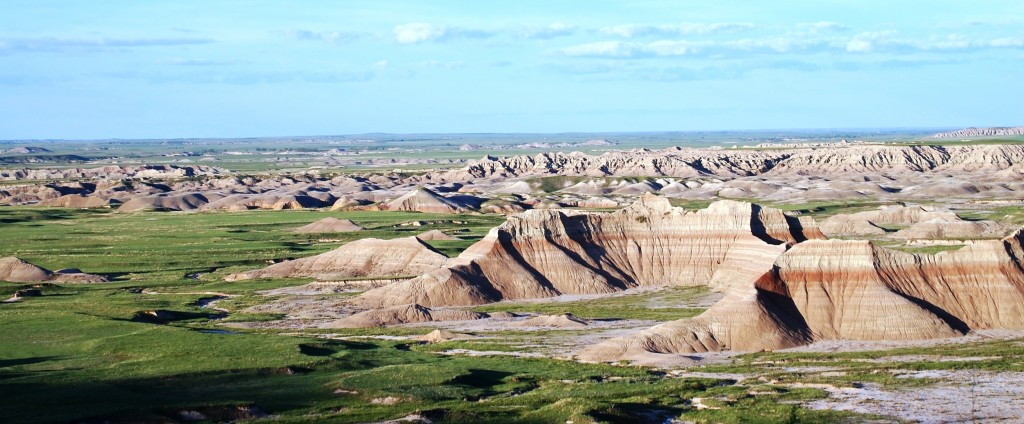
x: 367, y: 257
x: 329, y: 225
x: 872, y: 222
x: 18, y: 271
x: 425, y: 200
x: 544, y: 253
x: 850, y: 289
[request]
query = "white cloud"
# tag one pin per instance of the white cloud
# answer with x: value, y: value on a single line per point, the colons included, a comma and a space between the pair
x: 673, y: 47
x: 418, y: 33
x: 668, y: 48
x: 777, y: 44
x: 866, y: 42
x: 822, y: 26
x: 1007, y: 42
x: 442, y: 65
x: 888, y: 41
x: 326, y: 36
x: 554, y: 30
x: 198, y: 62
x: 56, y: 44
x: 687, y: 28
x: 604, y: 49
x: 423, y: 32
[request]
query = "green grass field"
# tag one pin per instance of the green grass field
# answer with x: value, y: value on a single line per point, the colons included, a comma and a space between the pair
x: 80, y: 352
x: 86, y: 353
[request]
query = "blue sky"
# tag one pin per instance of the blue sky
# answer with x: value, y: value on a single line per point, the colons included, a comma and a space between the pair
x: 162, y: 69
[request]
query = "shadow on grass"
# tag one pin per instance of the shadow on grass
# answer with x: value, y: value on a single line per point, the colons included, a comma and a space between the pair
x: 5, y: 363
x: 637, y: 412
x: 481, y: 379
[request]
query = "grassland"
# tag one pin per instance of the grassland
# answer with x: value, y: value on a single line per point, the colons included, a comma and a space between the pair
x: 81, y: 352
x: 88, y: 353
x: 634, y: 306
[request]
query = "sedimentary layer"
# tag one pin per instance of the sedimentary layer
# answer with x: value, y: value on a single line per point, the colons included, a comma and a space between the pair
x: 544, y: 253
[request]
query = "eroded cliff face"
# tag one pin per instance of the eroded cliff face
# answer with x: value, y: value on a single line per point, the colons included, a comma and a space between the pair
x: 849, y: 289
x: 688, y: 162
x: 544, y: 253
x: 784, y: 284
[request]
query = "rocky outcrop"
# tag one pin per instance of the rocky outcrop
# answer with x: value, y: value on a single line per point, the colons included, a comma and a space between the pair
x: 981, y: 132
x: 870, y: 223
x: 696, y: 163
x: 441, y: 336
x: 367, y: 257
x: 843, y: 290
x: 787, y: 174
x: 940, y: 228
x: 329, y: 225
x: 849, y: 289
x: 77, y: 201
x: 556, y: 321
x: 544, y: 253
x: 18, y: 271
x: 425, y: 200
x: 751, y: 316
x: 111, y: 172
x: 163, y: 202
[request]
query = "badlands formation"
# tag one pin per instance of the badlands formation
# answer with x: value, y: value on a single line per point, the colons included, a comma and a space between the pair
x: 512, y: 184
x: 784, y: 279
x: 783, y: 284
x: 367, y: 257
x: 329, y: 225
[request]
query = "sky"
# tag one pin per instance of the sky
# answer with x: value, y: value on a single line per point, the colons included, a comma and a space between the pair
x: 182, y: 68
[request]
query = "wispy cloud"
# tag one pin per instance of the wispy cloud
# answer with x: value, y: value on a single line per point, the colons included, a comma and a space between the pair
x: 243, y: 77
x: 603, y: 49
x: 548, y: 32
x: 822, y: 26
x: 612, y: 70
x: 861, y: 43
x: 456, y: 64
x: 58, y: 44
x: 686, y: 28
x: 414, y: 33
x: 1007, y: 42
x: 198, y: 62
x: 667, y: 48
x: 890, y: 41
x: 326, y: 36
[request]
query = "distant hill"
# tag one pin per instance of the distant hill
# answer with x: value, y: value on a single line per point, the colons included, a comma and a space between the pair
x: 25, y: 150
x: 981, y: 132
x: 7, y: 160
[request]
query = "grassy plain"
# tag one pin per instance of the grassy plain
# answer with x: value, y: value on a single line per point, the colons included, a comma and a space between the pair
x: 82, y: 353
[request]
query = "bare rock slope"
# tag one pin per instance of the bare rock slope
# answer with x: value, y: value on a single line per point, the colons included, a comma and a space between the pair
x: 329, y: 225
x: 544, y: 253
x: 18, y: 271
x: 850, y: 289
x: 367, y: 257
x: 981, y: 132
x: 425, y: 200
